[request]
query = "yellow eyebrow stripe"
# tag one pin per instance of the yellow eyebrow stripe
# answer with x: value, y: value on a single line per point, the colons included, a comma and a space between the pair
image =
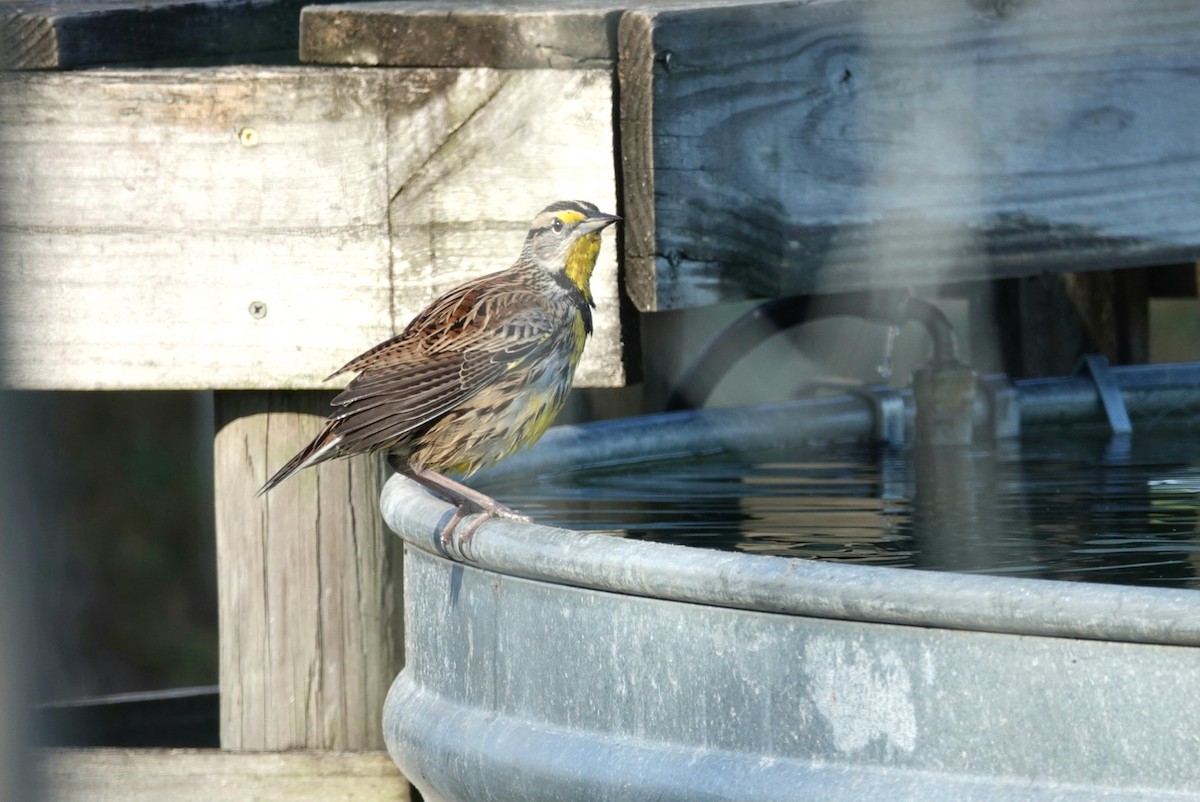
x: 569, y: 216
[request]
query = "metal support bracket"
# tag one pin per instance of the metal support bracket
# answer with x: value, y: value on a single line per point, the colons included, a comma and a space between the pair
x: 1096, y: 366
x: 1003, y: 419
x: 887, y: 406
x: 890, y: 414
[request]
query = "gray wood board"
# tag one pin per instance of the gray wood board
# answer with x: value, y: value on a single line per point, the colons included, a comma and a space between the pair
x: 209, y: 775
x: 461, y: 34
x: 47, y: 34
x: 505, y: 34
x: 248, y: 228
x: 862, y: 143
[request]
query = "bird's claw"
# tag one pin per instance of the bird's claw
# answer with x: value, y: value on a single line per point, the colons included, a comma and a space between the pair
x: 486, y: 512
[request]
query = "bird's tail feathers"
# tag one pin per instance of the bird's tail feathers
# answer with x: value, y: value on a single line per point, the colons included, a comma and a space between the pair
x: 319, y: 450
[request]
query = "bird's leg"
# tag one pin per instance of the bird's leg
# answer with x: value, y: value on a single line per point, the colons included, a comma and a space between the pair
x: 461, y: 497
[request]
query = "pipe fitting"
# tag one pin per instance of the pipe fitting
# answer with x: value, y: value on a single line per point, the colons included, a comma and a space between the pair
x: 944, y: 396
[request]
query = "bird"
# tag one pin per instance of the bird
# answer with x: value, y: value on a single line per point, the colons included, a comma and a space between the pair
x: 477, y: 375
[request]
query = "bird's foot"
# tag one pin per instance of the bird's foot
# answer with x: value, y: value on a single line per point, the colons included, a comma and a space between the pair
x: 466, y: 500
x: 487, y: 511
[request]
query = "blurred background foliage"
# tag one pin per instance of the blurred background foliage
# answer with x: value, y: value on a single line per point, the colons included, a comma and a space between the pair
x: 125, y: 588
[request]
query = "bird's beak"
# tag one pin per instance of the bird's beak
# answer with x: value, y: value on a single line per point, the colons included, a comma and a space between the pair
x: 597, y: 221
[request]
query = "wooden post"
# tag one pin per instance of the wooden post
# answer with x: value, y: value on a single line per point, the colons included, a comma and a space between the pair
x: 1041, y: 325
x: 310, y: 587
x: 1115, y: 308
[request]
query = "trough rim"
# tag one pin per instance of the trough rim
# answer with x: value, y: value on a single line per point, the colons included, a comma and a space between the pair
x: 801, y: 587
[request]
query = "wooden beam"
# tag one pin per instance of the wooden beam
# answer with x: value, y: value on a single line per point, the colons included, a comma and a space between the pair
x: 1042, y: 325
x: 868, y: 143
x: 239, y: 228
x: 513, y: 35
x: 68, y: 34
x: 572, y: 34
x: 191, y: 775
x: 309, y: 584
x: 1114, y: 307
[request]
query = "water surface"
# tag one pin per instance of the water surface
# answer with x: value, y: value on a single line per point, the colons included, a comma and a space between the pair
x: 1085, y: 508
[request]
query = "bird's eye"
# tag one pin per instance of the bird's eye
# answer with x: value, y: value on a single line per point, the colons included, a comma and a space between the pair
x: 557, y: 225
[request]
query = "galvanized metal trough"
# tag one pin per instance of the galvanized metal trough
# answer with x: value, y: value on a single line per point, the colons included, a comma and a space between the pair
x: 553, y: 665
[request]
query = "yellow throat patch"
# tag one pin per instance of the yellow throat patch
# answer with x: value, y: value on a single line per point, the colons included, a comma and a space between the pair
x: 581, y: 261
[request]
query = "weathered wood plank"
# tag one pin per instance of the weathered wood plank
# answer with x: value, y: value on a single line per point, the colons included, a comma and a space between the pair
x: 49, y: 34
x: 184, y: 228
x: 1042, y: 325
x: 187, y: 775
x: 502, y: 34
x: 247, y: 228
x: 862, y: 143
x: 571, y: 34
x: 309, y: 584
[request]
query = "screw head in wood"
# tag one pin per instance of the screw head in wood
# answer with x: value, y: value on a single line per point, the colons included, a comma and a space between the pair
x: 258, y: 310
x: 248, y: 137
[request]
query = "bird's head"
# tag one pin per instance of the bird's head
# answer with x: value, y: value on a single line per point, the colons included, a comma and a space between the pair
x: 564, y: 240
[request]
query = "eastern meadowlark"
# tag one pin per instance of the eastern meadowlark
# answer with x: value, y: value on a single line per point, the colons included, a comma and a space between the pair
x: 480, y: 373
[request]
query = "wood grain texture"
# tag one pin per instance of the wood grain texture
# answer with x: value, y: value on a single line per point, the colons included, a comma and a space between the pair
x: 863, y: 143
x: 502, y: 34
x: 256, y: 228
x: 1042, y: 325
x: 309, y: 584
x: 572, y: 34
x: 68, y: 34
x: 189, y: 775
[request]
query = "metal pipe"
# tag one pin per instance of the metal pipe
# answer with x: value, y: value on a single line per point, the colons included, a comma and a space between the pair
x: 937, y: 325
x: 686, y: 433
x: 1150, y: 392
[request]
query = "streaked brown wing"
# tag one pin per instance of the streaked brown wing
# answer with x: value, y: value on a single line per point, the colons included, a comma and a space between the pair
x: 460, y: 345
x: 411, y: 387
x: 453, y: 322
x: 382, y: 414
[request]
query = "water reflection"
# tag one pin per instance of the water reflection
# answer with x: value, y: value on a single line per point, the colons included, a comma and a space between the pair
x: 1088, y: 509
